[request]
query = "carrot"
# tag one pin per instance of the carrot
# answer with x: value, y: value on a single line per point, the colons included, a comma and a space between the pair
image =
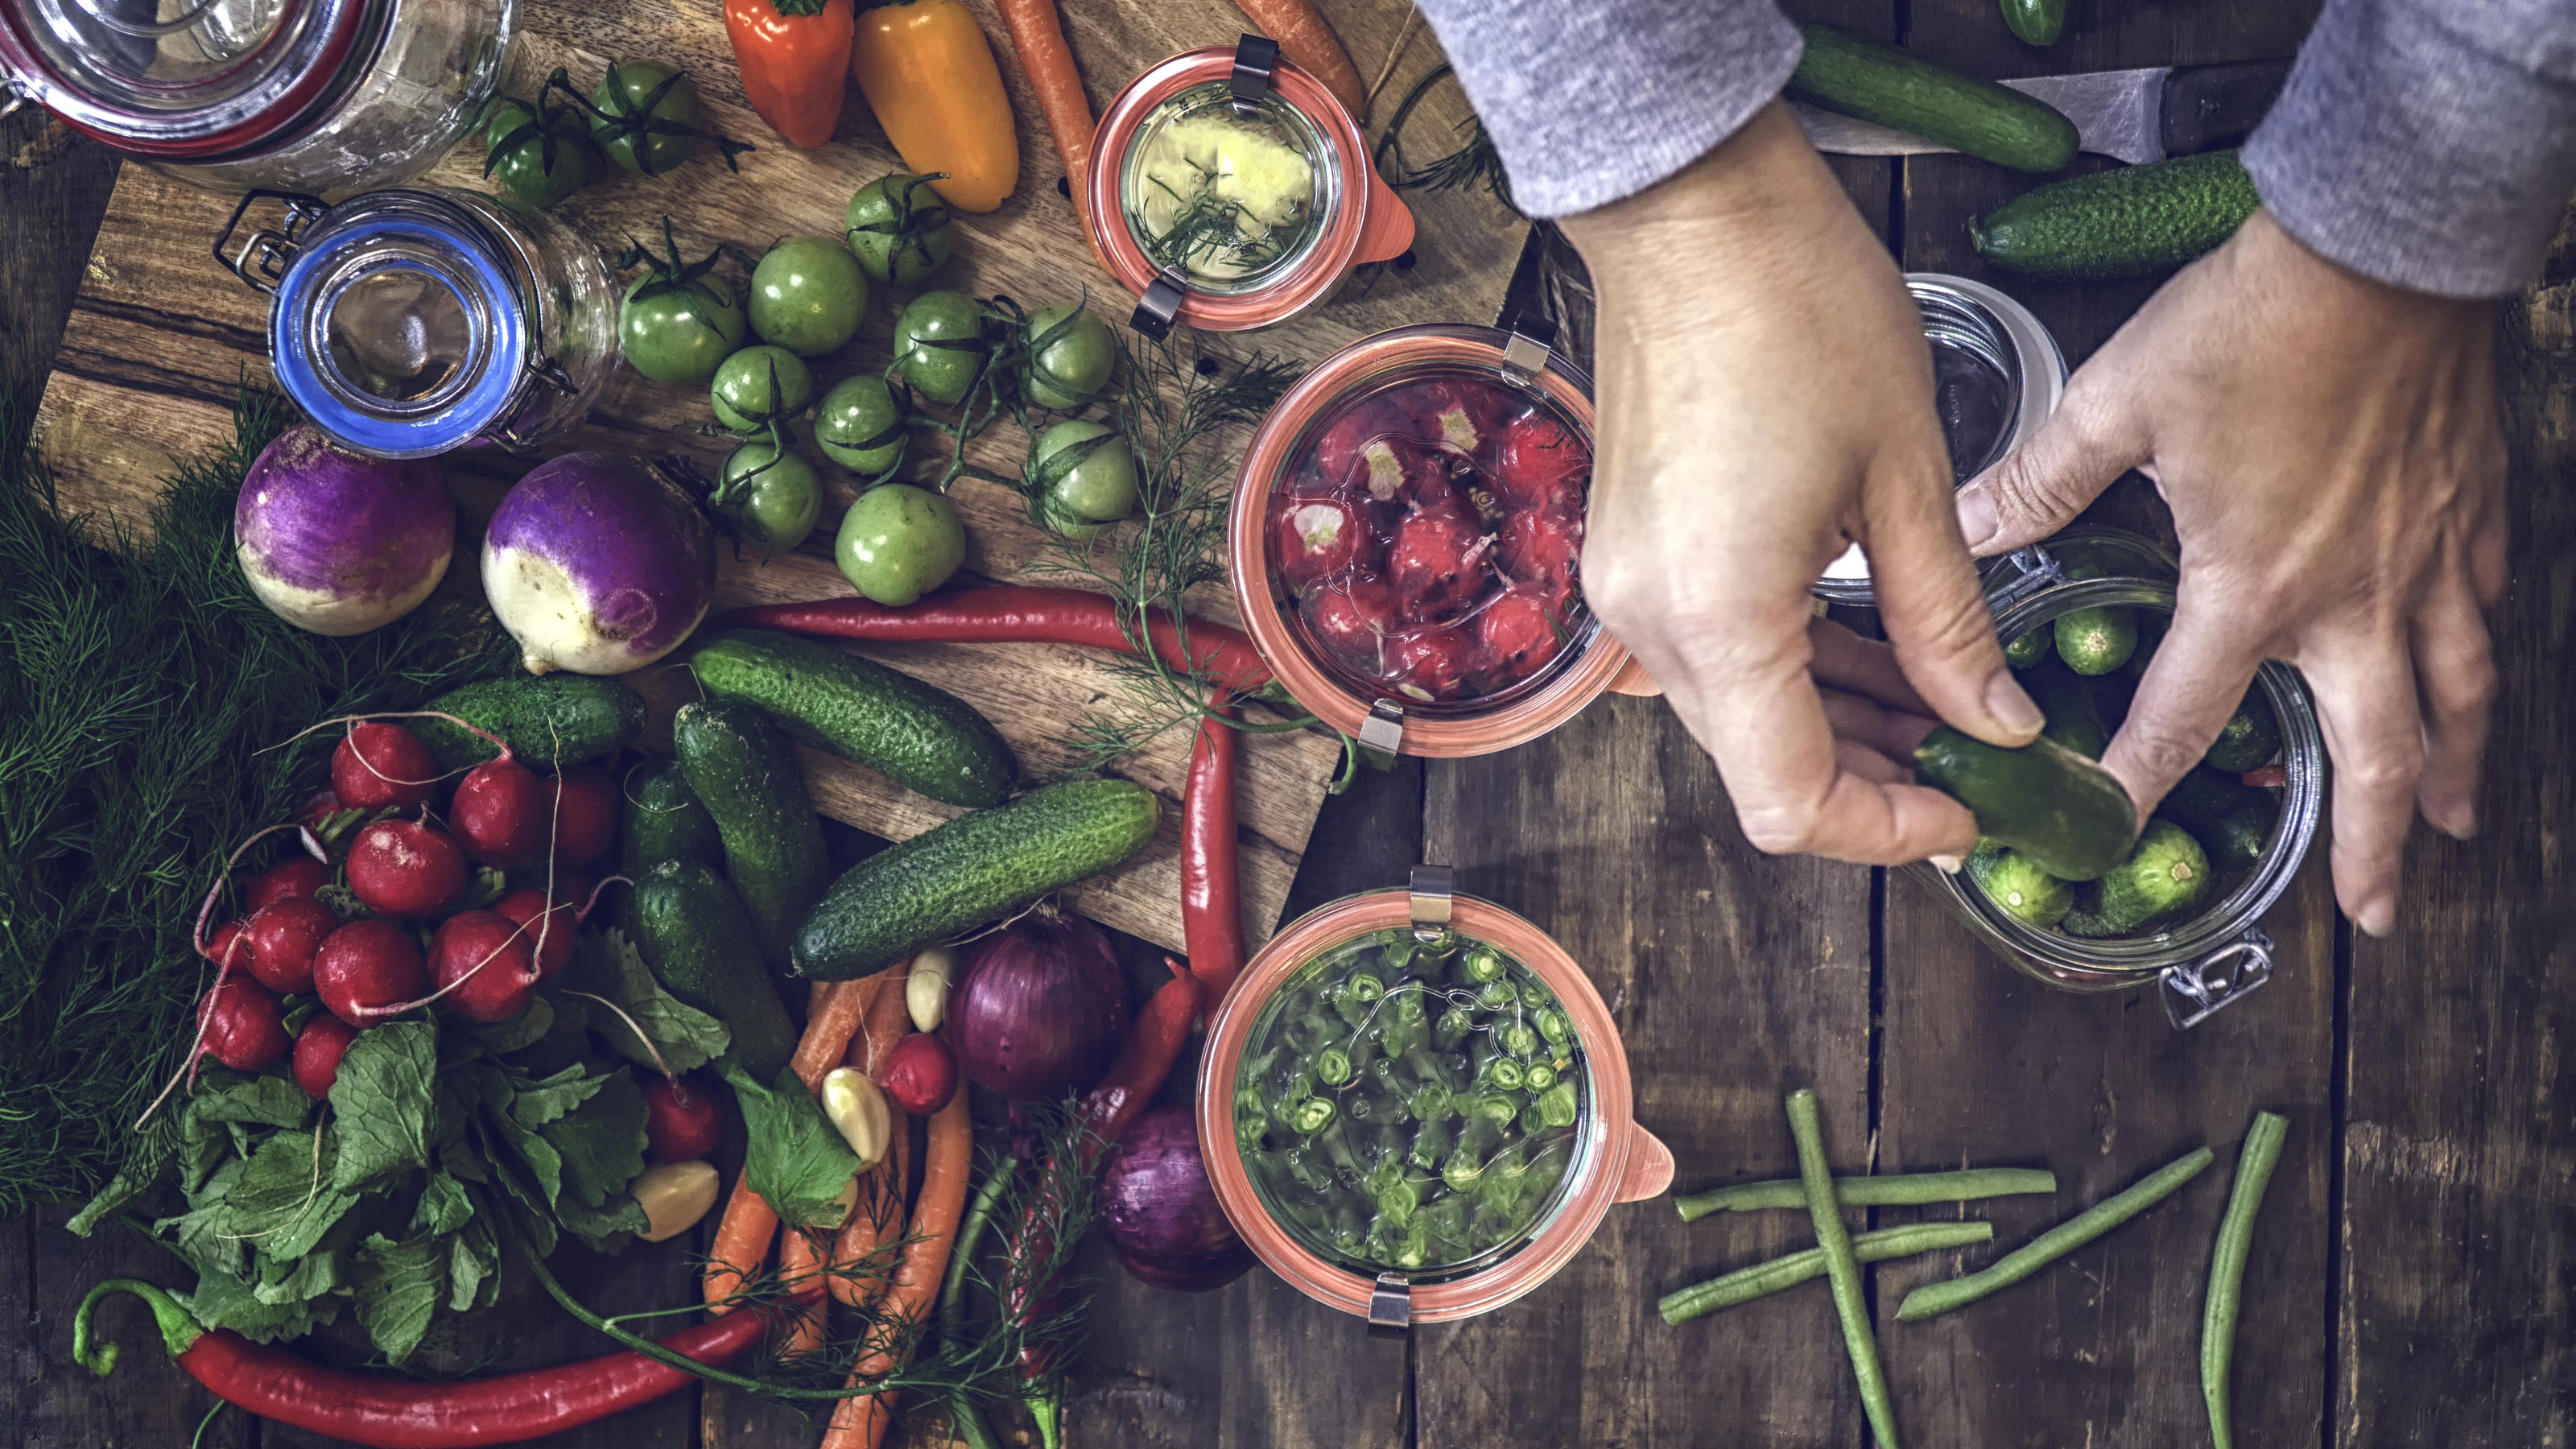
x: 881, y: 1189
x: 1306, y: 38
x: 861, y: 1423
x: 797, y: 1265
x: 742, y: 1238
x: 1037, y: 33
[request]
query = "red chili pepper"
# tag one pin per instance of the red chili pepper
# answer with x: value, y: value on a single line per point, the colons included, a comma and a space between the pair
x: 794, y: 56
x: 401, y: 1413
x: 1211, y: 907
x: 1005, y: 614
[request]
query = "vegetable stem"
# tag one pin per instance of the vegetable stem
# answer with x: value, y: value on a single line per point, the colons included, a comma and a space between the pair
x: 1902, y: 1190
x: 1938, y: 1298
x: 1841, y: 1266
x: 2254, y: 1164
x: 1763, y: 1279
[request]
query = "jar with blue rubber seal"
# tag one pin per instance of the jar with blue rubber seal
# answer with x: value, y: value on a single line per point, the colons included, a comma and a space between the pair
x: 413, y: 321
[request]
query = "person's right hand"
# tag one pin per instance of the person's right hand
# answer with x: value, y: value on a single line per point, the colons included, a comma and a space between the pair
x: 1766, y: 400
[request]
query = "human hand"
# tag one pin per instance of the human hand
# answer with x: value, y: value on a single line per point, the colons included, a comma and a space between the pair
x: 1766, y: 400
x: 2331, y: 451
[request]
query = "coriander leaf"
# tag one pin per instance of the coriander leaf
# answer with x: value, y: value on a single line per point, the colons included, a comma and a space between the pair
x: 604, y: 1229
x: 526, y: 1029
x: 271, y: 1101
x: 382, y: 1101
x: 602, y: 1142
x: 539, y: 1102
x: 398, y: 1287
x: 688, y: 1038
x: 223, y: 1301
x: 798, y: 1163
x: 443, y: 1206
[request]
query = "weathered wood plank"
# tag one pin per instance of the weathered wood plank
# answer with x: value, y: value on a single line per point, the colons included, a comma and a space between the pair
x: 58, y: 1404
x: 53, y: 189
x: 2458, y: 1271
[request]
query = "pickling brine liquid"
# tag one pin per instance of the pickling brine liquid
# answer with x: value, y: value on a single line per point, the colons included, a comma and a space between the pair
x: 1410, y: 1105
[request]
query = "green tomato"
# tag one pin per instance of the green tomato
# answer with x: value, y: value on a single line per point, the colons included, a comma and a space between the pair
x: 635, y: 93
x: 1088, y: 474
x: 939, y: 345
x: 899, y: 542
x: 1070, y: 355
x: 898, y: 228
x: 538, y: 158
x: 770, y: 498
x: 759, y: 386
x: 679, y: 331
x: 807, y: 295
x: 859, y: 425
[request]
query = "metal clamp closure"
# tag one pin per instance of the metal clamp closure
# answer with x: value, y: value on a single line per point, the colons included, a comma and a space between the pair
x: 264, y: 255
x: 1432, y: 899
x: 1529, y: 350
x: 1390, y: 1310
x: 1161, y: 303
x: 1382, y: 733
x: 1255, y: 58
x: 2195, y: 990
x: 2039, y: 569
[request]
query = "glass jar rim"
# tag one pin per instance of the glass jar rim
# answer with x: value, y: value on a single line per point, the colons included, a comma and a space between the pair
x: 1607, y: 1152
x: 1270, y: 458
x: 304, y: 61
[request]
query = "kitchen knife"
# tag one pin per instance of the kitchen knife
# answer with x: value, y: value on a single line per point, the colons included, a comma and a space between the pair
x: 2136, y: 116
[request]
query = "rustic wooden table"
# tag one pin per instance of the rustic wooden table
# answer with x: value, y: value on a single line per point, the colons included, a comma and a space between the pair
x: 2415, y: 1280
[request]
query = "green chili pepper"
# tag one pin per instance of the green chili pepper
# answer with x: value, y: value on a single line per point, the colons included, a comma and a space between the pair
x: 1399, y: 1199
x: 1538, y: 1076
x: 1397, y: 947
x: 1333, y: 1066
x: 1519, y: 1040
x: 1452, y: 1028
x: 1462, y: 1169
x: 1432, y: 1102
x: 1533, y: 1121
x: 1485, y: 964
x: 1312, y: 1115
x: 1556, y: 1105
x: 1551, y: 1025
x: 1503, y: 1073
x: 1497, y: 996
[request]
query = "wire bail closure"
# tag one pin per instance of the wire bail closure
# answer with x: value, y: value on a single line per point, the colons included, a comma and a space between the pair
x: 264, y: 255
x: 2194, y: 991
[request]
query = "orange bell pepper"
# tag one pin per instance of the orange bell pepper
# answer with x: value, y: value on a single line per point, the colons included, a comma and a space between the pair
x: 928, y: 73
x: 793, y: 54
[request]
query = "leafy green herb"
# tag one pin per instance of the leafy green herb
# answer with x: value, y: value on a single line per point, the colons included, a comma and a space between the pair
x: 798, y: 1162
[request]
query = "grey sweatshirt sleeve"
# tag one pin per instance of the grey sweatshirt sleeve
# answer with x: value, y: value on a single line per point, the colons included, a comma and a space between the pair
x: 2430, y: 144
x: 1589, y: 101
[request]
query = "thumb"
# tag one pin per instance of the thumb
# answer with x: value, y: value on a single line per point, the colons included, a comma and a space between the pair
x: 2040, y: 486
x: 1934, y: 610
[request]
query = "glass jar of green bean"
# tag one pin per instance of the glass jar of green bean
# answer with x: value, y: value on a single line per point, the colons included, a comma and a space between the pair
x: 1415, y: 1103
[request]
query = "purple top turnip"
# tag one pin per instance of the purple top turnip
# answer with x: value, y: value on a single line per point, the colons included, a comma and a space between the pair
x: 597, y: 564
x: 339, y: 543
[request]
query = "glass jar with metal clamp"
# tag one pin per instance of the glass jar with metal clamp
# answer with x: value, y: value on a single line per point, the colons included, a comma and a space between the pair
x: 411, y: 321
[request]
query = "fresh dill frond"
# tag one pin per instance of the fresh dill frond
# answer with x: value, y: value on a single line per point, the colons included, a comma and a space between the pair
x: 1207, y: 232
x: 1474, y: 165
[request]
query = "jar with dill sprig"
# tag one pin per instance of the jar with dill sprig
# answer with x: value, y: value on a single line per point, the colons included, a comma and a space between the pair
x: 1230, y: 194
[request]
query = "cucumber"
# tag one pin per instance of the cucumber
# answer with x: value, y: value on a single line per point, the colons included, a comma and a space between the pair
x: 2074, y: 718
x: 550, y: 720
x: 1857, y: 76
x: 2020, y: 889
x: 2158, y: 882
x: 2030, y: 648
x: 974, y: 869
x: 741, y: 767
x: 2063, y: 811
x: 920, y: 737
x: 692, y: 930
x: 2097, y: 640
x: 2201, y: 799
x: 2035, y: 22
x: 2238, y: 842
x: 2132, y: 221
x: 665, y: 820
x: 2249, y: 739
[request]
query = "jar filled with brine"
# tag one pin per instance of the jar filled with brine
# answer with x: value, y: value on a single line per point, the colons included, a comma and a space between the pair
x: 412, y: 321
x: 1414, y: 1106
x: 1997, y: 374
x: 1227, y: 190
x: 321, y: 96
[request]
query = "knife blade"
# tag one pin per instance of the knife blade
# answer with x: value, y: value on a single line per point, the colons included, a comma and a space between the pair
x: 2135, y: 116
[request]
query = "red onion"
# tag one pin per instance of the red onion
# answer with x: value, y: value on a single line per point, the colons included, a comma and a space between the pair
x: 1158, y: 1211
x: 1040, y: 1008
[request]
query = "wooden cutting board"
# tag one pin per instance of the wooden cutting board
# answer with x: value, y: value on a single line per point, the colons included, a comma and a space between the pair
x: 162, y: 337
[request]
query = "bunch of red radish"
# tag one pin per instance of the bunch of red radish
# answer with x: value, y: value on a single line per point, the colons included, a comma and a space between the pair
x: 408, y: 870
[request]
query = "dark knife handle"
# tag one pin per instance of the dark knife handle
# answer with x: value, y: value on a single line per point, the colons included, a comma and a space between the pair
x: 2209, y: 106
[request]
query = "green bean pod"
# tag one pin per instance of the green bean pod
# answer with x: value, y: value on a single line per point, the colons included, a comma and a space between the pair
x: 1783, y: 1273
x: 2254, y: 1164
x: 1841, y: 1267
x: 1937, y: 1298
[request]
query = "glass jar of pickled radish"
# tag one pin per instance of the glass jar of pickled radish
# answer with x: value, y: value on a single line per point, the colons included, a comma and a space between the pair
x: 412, y: 321
x: 1405, y: 538
x: 1997, y: 374
x: 1228, y: 190
x: 2081, y: 615
x: 321, y: 96
x: 1414, y: 1106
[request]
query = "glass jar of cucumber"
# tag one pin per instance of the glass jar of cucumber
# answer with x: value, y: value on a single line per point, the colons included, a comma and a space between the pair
x: 2081, y: 615
x: 1415, y: 1108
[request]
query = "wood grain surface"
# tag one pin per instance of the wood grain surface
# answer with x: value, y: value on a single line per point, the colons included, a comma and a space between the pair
x: 161, y: 337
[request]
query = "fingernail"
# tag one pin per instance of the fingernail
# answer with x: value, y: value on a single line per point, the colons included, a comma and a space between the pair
x: 1976, y: 514
x: 1949, y: 863
x: 2377, y: 916
x: 2460, y: 822
x: 2012, y: 708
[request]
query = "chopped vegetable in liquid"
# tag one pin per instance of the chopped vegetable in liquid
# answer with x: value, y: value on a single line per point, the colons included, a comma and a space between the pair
x: 1222, y: 196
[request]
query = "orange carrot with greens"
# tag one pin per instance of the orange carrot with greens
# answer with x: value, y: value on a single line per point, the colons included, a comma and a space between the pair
x: 879, y: 1214
x: 861, y: 1423
x: 743, y: 1235
x: 1037, y: 33
x: 1306, y: 38
x: 797, y: 1265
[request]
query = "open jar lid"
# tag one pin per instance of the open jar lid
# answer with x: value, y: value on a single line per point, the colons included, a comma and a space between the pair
x: 189, y: 80
x: 1374, y: 1119
x: 1227, y: 189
